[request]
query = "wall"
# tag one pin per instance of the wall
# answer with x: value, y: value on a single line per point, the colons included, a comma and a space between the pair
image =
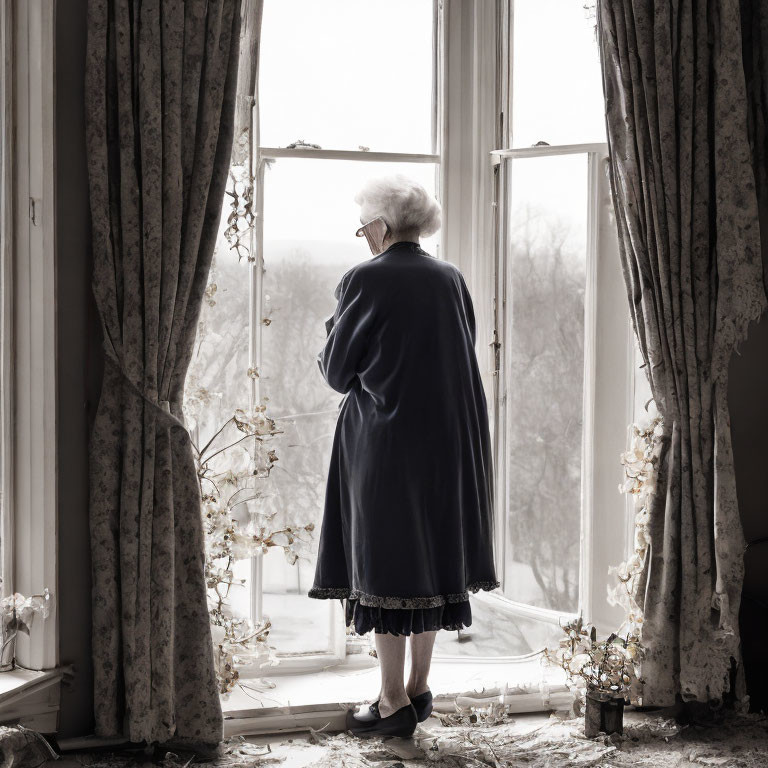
x: 78, y: 362
x: 79, y: 376
x: 748, y: 402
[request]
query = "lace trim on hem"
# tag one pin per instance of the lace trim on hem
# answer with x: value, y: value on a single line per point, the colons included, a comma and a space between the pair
x: 328, y: 592
x: 400, y: 602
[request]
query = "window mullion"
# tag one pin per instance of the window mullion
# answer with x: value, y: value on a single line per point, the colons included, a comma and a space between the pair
x: 586, y: 580
x: 274, y: 153
x: 6, y: 298
x: 255, y: 314
x: 545, y: 150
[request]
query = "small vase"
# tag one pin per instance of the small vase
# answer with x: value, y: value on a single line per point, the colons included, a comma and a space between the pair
x: 603, y: 714
x: 8, y: 650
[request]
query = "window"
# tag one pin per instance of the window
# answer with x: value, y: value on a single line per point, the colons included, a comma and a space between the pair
x: 304, y: 262
x: 350, y: 86
x: 513, y: 141
x: 547, y: 260
x: 557, y: 93
x: 330, y: 117
x: 27, y: 319
x: 562, y: 324
x: 6, y: 283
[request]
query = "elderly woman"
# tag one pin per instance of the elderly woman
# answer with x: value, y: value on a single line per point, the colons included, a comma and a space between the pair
x: 407, y: 531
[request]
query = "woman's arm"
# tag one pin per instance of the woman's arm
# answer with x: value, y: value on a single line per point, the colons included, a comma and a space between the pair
x: 347, y: 333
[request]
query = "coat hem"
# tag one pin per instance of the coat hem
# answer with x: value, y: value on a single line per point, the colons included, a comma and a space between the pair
x: 377, y: 601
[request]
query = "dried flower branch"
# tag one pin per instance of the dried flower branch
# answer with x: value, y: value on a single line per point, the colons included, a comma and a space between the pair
x: 241, y: 214
x: 640, y: 469
x: 493, y: 713
x: 606, y: 668
x: 231, y: 467
x: 226, y: 484
x: 609, y: 667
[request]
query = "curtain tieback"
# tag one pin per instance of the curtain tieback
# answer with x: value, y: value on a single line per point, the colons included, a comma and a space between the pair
x: 161, y: 407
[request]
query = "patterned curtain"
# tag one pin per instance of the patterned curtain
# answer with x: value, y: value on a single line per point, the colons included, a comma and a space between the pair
x: 160, y: 102
x: 684, y: 193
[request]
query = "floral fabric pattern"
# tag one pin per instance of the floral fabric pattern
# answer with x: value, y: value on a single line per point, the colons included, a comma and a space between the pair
x: 684, y: 194
x: 160, y: 98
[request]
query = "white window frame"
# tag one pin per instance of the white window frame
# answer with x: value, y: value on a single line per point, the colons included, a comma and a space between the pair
x: 28, y: 356
x: 608, y: 380
x: 472, y: 99
x: 261, y: 156
x: 6, y: 293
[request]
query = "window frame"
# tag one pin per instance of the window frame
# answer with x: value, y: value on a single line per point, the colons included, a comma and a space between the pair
x: 291, y: 662
x: 260, y: 157
x: 6, y: 293
x: 473, y: 64
x: 29, y: 405
x: 606, y: 348
x: 605, y: 528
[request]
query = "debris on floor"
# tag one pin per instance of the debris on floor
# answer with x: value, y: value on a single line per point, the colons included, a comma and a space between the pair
x: 648, y: 741
x: 21, y: 747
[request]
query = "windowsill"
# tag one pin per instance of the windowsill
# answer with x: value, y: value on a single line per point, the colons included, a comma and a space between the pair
x: 502, y: 631
x: 320, y: 698
x: 31, y: 698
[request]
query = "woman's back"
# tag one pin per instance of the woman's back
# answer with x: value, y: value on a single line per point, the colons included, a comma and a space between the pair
x: 410, y: 479
x: 413, y: 317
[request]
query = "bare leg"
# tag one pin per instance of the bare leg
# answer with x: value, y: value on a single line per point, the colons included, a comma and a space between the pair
x: 390, y: 650
x: 422, y: 644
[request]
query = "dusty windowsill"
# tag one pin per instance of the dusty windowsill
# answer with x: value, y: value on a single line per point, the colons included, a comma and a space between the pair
x: 317, y: 699
x: 31, y: 698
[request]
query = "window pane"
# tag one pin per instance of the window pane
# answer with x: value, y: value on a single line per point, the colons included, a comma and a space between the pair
x: 557, y: 84
x: 547, y: 262
x: 347, y: 73
x: 497, y: 631
x: 217, y: 384
x: 310, y: 220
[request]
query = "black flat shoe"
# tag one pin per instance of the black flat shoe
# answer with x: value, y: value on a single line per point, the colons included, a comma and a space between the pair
x: 370, y: 722
x: 423, y: 705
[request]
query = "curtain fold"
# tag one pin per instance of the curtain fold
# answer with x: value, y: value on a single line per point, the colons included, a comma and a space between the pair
x: 684, y: 193
x: 160, y: 103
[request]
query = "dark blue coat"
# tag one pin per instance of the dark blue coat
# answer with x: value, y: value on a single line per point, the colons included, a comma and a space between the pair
x: 408, y: 518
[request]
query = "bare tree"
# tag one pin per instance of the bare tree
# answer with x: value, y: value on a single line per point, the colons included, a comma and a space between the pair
x: 545, y: 407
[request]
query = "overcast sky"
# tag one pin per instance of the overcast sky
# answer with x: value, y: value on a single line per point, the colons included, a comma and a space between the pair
x: 345, y: 73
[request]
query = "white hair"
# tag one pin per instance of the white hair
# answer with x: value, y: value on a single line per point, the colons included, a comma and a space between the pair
x: 402, y: 202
